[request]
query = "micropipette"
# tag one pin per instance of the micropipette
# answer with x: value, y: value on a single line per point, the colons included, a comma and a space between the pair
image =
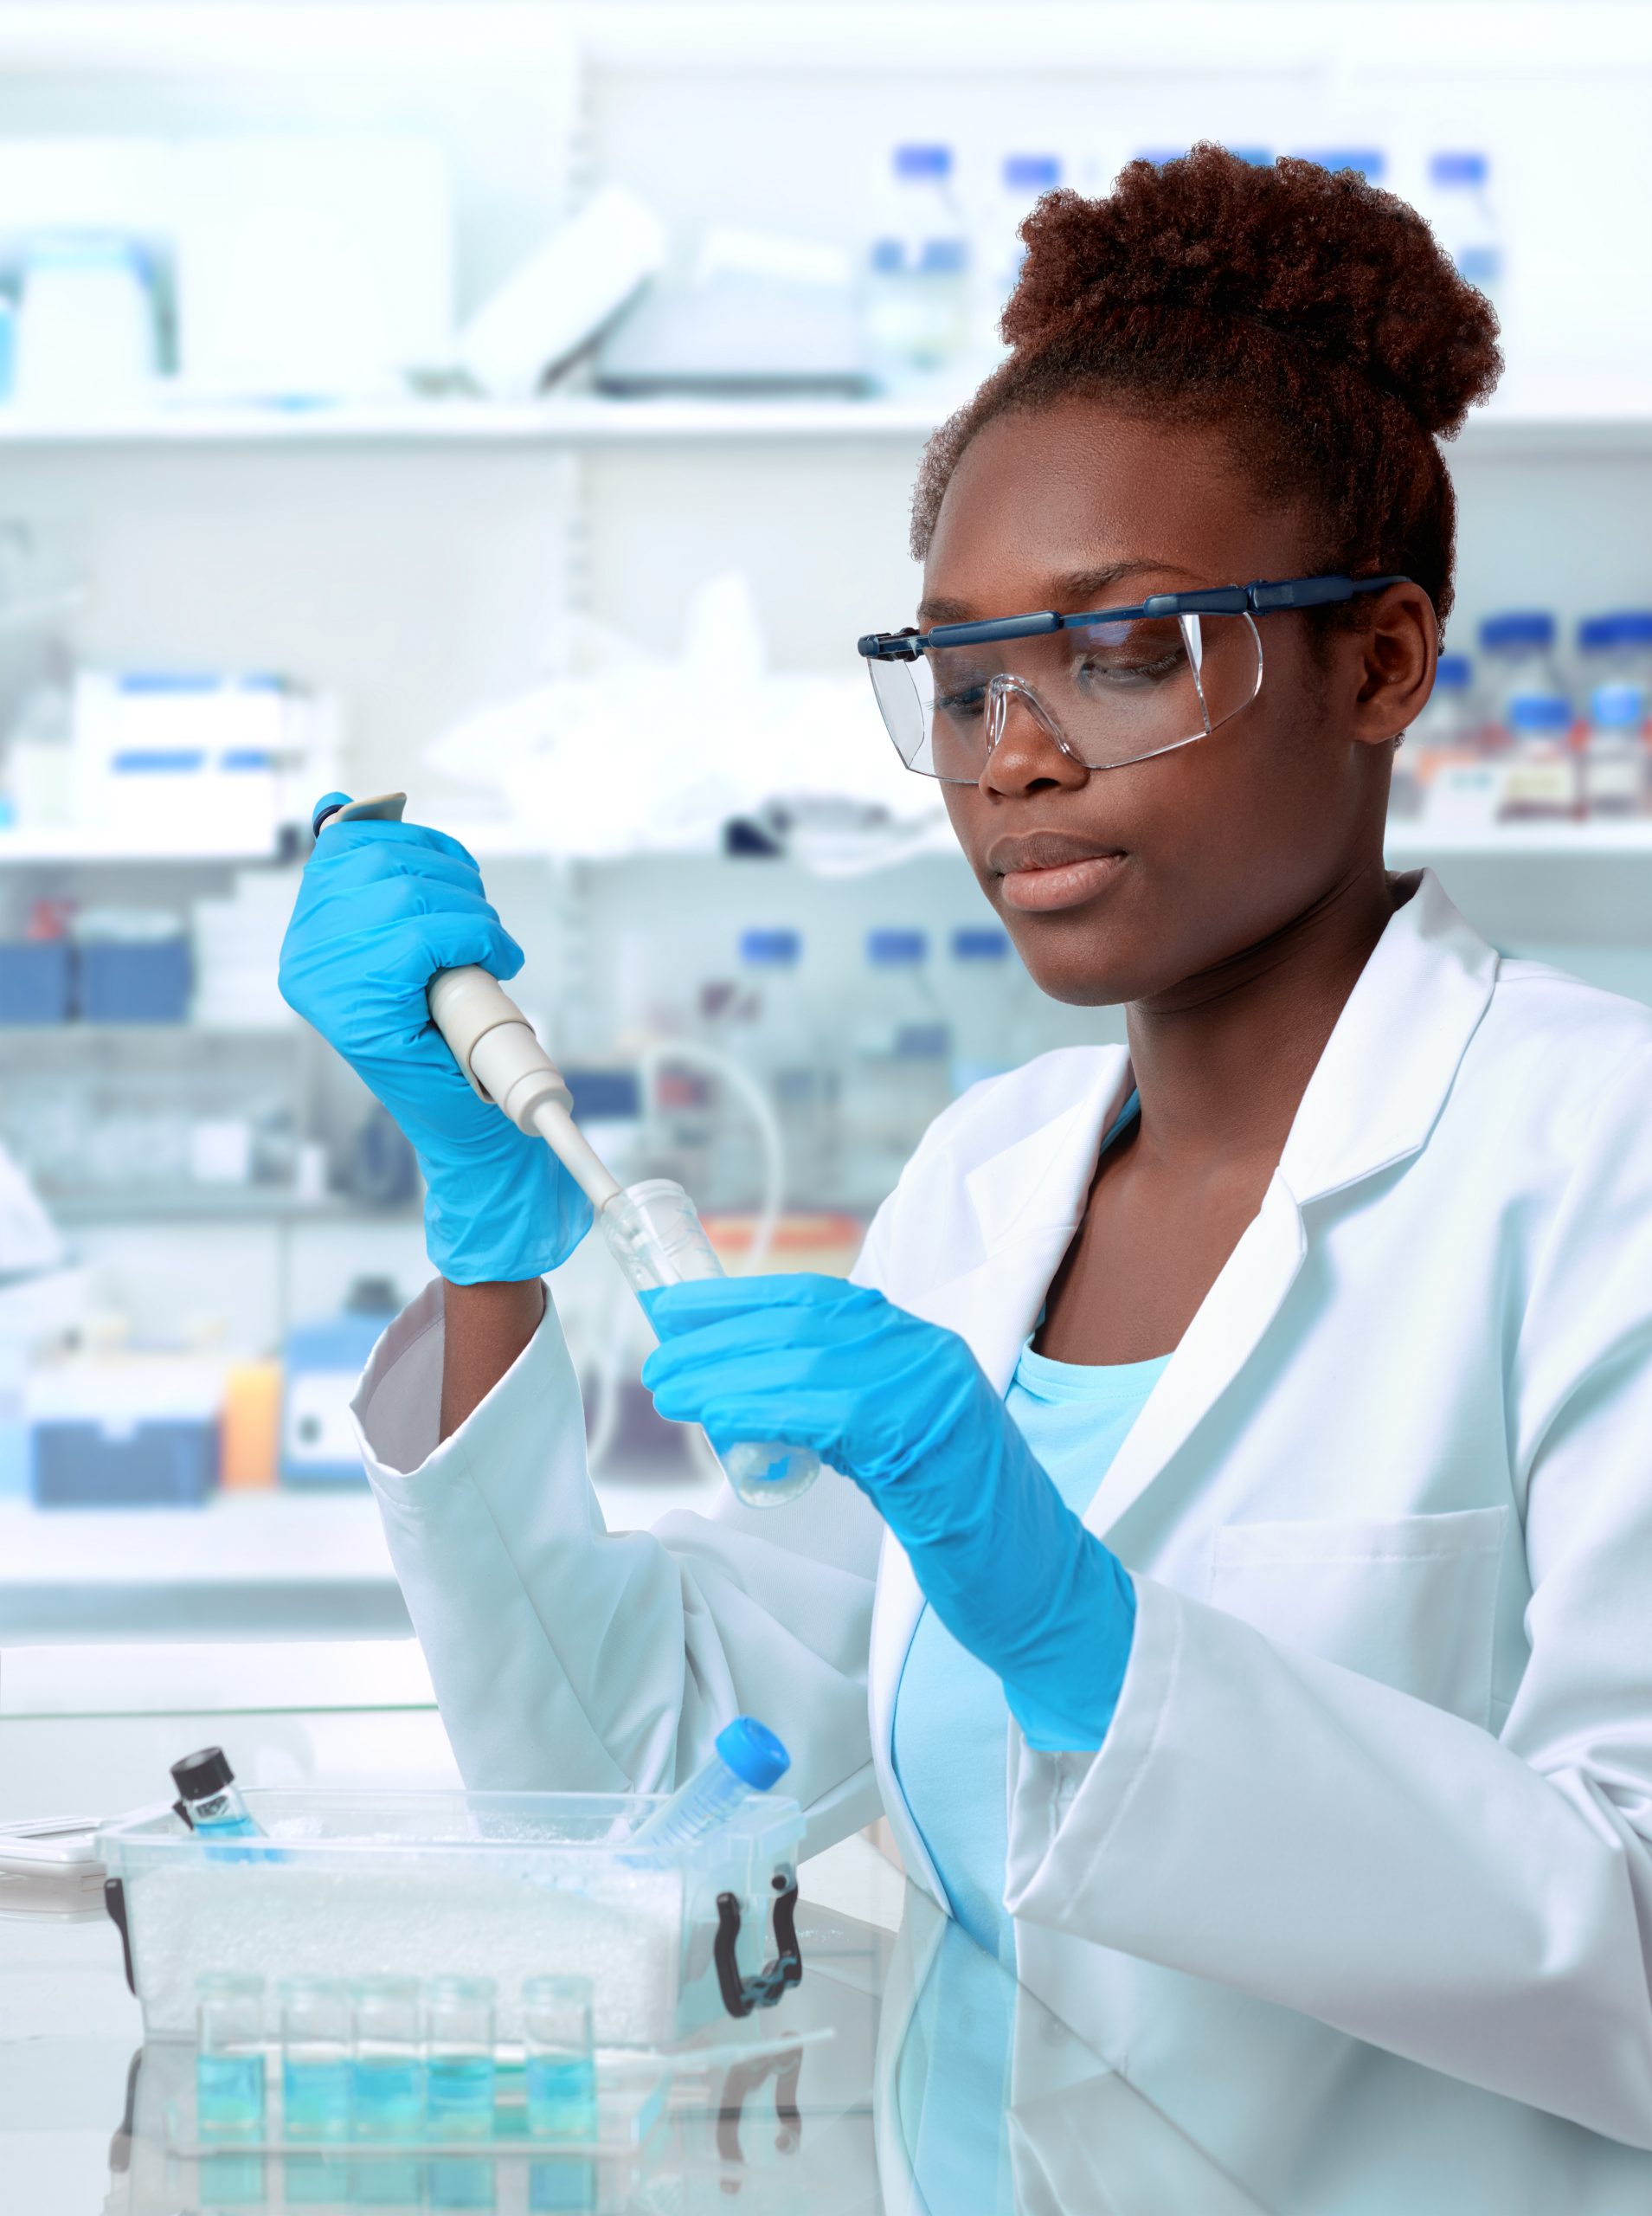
x: 652, y: 1229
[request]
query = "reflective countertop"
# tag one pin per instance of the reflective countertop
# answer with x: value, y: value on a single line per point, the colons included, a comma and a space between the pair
x: 908, y: 2073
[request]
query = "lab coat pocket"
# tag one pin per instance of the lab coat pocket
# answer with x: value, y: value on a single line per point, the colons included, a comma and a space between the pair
x: 1411, y: 1601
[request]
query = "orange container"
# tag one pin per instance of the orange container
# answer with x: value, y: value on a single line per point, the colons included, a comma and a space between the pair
x: 251, y: 1433
x: 827, y: 1241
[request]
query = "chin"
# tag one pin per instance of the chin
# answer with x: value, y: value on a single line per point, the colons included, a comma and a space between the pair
x: 1082, y: 982
x: 1074, y: 959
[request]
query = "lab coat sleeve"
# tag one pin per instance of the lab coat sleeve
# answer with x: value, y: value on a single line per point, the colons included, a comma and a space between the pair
x: 1261, y: 1816
x: 567, y: 1657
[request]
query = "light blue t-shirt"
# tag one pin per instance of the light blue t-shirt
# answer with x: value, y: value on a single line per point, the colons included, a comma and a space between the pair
x: 951, y: 1720
x: 951, y: 1727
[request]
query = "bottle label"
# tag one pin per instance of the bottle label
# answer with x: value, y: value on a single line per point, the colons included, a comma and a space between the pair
x: 1613, y: 782
x: 1468, y: 795
x: 1546, y: 786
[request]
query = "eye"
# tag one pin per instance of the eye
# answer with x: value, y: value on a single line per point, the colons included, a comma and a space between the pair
x: 1113, y: 673
x: 960, y: 698
x: 1128, y: 657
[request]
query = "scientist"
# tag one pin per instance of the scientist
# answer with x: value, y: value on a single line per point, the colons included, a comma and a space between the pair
x: 1238, y: 1590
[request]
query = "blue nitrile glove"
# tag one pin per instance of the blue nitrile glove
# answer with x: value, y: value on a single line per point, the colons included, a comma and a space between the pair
x: 380, y: 908
x: 902, y: 1407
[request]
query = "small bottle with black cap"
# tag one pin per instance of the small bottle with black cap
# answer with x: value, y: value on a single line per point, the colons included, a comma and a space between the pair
x: 208, y: 1799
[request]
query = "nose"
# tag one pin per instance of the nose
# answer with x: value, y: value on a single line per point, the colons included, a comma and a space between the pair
x: 1025, y: 751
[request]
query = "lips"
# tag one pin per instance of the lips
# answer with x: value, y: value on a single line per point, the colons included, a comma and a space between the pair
x: 1039, y: 870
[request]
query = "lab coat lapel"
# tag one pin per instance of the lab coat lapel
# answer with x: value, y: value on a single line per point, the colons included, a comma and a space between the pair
x: 1215, y: 1347
x: 1374, y: 1098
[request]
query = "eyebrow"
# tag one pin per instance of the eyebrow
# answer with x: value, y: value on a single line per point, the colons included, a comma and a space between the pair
x: 1078, y: 589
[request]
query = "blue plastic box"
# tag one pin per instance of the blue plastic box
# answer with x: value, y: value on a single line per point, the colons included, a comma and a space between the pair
x: 324, y: 1362
x: 143, y: 983
x: 161, y: 1462
x: 36, y: 980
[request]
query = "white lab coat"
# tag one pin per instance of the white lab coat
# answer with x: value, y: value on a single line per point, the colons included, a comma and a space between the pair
x: 1384, y: 1751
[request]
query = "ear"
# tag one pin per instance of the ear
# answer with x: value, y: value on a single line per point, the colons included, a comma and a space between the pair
x: 1398, y: 650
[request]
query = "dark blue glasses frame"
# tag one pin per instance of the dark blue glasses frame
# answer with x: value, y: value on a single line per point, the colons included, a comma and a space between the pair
x: 1261, y: 598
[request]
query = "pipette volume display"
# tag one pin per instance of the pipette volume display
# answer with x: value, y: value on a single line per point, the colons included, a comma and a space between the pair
x: 652, y: 1229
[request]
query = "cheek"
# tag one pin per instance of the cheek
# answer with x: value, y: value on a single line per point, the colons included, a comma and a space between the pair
x: 1225, y: 840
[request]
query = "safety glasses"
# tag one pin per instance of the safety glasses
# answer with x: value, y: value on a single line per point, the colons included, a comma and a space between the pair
x: 1116, y: 685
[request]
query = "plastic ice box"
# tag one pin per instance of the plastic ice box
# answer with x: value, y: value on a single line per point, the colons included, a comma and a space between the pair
x: 505, y: 1885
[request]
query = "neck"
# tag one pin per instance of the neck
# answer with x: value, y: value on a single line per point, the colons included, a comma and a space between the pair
x: 1223, y: 1060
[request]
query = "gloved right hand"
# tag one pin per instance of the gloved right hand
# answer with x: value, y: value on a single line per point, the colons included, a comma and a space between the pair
x: 382, y: 907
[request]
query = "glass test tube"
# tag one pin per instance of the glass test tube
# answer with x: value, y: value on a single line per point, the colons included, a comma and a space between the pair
x: 458, y: 2058
x: 654, y: 1233
x: 560, y: 2071
x: 386, y: 2077
x: 315, y: 2057
x: 229, y: 2056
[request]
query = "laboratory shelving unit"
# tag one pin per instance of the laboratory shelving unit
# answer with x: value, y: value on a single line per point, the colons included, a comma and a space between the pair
x: 417, y: 559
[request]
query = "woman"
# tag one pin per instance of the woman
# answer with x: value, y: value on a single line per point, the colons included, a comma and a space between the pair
x: 1261, y: 1420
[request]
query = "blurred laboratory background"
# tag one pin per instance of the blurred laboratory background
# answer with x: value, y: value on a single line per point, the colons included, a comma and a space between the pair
x: 518, y: 404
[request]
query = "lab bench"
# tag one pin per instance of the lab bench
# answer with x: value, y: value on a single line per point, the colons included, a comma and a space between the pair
x: 270, y: 1622
x: 259, y: 1565
x: 907, y: 2071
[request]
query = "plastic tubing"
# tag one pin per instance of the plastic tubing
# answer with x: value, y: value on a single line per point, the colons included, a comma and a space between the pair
x: 652, y: 1229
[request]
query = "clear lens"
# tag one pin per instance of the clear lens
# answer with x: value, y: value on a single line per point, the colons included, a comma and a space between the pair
x: 1110, y: 692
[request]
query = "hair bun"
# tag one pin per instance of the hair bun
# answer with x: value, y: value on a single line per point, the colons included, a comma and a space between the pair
x: 1321, y: 259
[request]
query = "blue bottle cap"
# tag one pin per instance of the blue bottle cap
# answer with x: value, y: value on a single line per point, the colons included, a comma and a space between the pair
x: 1370, y: 161
x: 1458, y: 169
x: 753, y: 1753
x: 1031, y: 172
x: 1519, y: 627
x: 770, y: 950
x: 943, y: 257
x: 1596, y: 634
x: 1453, y: 673
x: 889, y: 950
x: 1546, y: 713
x: 924, y: 161
x: 1617, y: 707
x: 1627, y: 627
x: 980, y: 945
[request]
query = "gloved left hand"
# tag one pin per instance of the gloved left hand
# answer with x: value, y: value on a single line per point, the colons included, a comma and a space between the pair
x: 903, y: 1408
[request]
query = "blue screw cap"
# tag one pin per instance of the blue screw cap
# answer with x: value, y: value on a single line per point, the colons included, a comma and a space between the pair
x: 753, y: 1753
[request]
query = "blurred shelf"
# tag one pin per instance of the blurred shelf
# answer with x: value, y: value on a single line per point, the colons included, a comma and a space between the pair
x: 121, y: 1035
x: 85, y: 845
x: 498, y: 839
x: 577, y: 420
x: 1559, y: 426
x: 215, y: 1204
x: 248, y: 1565
x: 1520, y: 842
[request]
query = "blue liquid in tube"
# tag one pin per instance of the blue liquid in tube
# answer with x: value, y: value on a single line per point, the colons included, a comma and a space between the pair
x: 459, y: 2096
x: 315, y: 2099
x: 386, y: 2098
x: 562, y: 2097
x: 229, y: 2095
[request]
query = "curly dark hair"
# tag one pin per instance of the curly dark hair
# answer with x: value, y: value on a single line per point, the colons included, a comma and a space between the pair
x: 1310, y: 313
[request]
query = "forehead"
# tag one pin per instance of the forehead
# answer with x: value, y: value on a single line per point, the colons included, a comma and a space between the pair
x: 1082, y: 489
